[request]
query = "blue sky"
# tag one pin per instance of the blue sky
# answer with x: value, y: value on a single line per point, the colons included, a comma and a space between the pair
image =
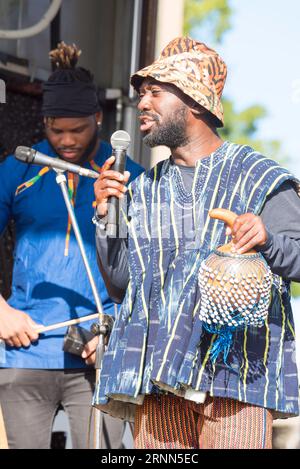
x: 262, y: 51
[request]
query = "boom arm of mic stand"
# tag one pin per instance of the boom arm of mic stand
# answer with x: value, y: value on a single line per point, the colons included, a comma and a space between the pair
x: 62, y: 182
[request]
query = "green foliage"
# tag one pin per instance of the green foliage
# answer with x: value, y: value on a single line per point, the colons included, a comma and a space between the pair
x: 295, y: 289
x: 240, y: 127
x: 213, y: 15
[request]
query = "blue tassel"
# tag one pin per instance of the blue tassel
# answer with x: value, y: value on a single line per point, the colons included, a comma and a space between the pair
x: 225, y: 337
x: 223, y: 342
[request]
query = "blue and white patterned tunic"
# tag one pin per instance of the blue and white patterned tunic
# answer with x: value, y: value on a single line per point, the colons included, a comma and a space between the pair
x: 158, y: 343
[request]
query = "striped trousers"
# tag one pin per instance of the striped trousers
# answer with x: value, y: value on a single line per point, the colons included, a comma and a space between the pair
x: 165, y: 422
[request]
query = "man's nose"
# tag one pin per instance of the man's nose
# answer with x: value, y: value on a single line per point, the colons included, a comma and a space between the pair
x: 67, y: 140
x: 145, y: 103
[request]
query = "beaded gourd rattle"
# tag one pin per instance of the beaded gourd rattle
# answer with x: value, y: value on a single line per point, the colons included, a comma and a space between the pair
x: 235, y: 290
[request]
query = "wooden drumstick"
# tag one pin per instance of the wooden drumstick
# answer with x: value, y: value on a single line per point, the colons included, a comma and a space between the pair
x: 40, y: 329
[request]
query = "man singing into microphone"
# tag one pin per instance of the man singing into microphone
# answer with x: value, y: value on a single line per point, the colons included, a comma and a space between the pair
x: 160, y: 355
x: 50, y: 283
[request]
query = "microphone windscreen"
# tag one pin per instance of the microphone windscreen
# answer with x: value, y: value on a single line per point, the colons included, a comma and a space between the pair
x: 24, y: 154
x: 120, y: 139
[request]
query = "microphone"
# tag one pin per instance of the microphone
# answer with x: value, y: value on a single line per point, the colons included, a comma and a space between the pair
x: 29, y: 155
x: 120, y: 141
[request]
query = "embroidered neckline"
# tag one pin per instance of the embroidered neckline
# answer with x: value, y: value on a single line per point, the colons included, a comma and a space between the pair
x: 171, y: 170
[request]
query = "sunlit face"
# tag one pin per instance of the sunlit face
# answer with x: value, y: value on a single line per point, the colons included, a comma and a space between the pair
x: 73, y: 138
x: 163, y: 114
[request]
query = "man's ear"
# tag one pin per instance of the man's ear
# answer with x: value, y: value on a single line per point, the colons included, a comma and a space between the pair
x: 99, y: 116
x: 197, y: 110
x: 48, y: 121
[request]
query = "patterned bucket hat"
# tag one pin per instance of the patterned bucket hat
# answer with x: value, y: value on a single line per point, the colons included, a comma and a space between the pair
x: 192, y: 67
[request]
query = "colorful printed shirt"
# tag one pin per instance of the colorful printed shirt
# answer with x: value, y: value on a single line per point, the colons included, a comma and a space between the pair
x: 49, y: 284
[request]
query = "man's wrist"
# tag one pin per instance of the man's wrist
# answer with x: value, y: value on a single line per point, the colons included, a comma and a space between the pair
x: 100, y: 220
x: 264, y: 247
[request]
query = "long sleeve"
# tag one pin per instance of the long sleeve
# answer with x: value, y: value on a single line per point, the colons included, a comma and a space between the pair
x: 281, y: 215
x: 113, y: 263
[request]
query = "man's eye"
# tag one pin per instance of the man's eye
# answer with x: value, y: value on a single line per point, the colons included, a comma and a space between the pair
x: 152, y: 91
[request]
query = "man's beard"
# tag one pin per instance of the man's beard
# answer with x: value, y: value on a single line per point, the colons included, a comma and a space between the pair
x: 87, y: 152
x: 172, y: 134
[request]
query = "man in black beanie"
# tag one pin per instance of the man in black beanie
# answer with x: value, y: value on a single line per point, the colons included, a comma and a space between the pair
x: 49, y: 280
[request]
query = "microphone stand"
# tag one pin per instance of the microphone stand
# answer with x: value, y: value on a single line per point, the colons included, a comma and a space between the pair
x: 103, y: 327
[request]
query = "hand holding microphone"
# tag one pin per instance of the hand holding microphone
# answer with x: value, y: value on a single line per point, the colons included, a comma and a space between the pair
x: 111, y: 184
